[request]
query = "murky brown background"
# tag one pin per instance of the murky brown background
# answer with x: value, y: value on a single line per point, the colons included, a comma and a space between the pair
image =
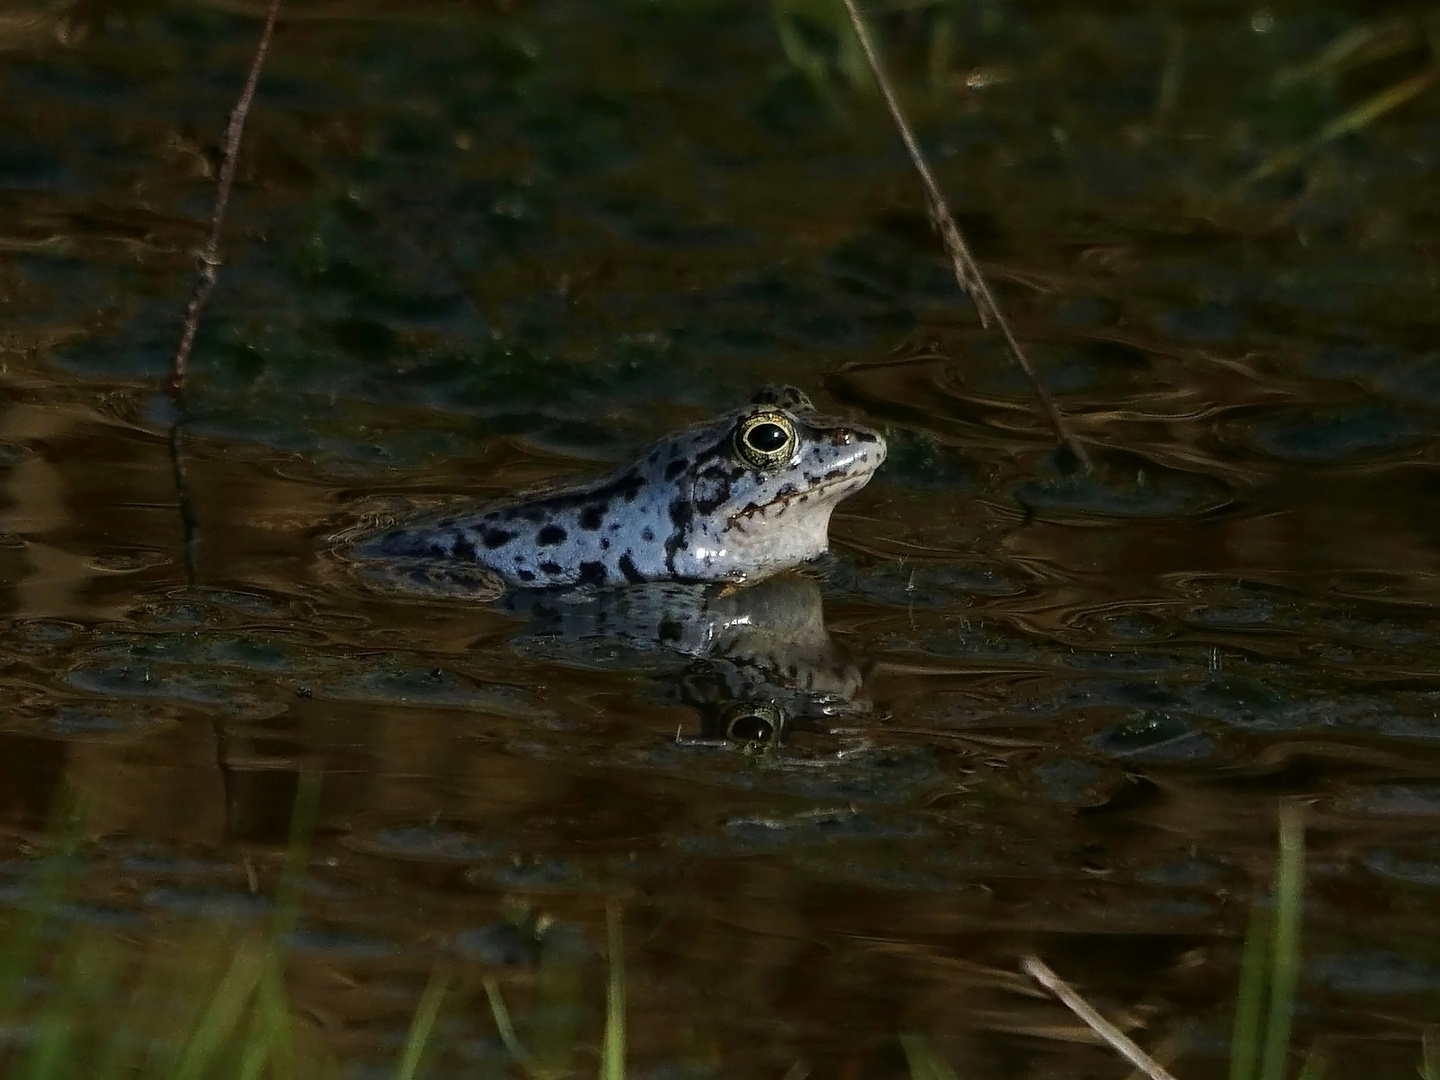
x: 479, y: 246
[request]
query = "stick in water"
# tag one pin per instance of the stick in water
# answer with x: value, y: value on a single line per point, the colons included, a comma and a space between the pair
x: 210, y: 253
x: 967, y: 271
x: 1113, y: 1036
x: 209, y: 272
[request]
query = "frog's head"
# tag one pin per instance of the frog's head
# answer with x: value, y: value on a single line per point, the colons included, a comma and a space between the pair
x: 753, y: 490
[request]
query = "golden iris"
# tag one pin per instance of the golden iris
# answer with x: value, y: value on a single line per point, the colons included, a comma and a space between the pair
x: 765, y: 440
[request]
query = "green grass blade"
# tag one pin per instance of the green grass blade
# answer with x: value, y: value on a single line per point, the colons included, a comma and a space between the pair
x: 421, y: 1026
x: 1285, y: 957
x: 50, y: 1052
x: 220, y: 1018
x: 559, y: 1007
x: 272, y: 1009
x: 1314, y: 1067
x: 612, y: 1056
x: 1429, y: 1055
x: 925, y: 1062
x: 257, y: 1048
x: 503, y: 1025
x: 25, y: 940
x: 1250, y: 997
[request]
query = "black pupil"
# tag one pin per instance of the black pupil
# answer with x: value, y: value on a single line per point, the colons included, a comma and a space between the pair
x: 767, y: 438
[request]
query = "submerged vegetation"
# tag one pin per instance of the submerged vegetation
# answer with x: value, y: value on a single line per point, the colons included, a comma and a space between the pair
x: 209, y: 1002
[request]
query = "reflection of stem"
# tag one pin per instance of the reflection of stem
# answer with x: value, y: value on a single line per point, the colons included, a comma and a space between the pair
x: 967, y: 271
x: 189, y: 522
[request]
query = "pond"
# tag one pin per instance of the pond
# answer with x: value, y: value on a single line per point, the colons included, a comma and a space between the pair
x: 1019, y: 708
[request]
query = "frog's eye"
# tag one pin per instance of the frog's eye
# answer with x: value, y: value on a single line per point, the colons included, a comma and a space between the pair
x: 765, y: 440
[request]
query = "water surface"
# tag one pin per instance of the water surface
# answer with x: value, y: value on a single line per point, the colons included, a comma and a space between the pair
x: 474, y: 249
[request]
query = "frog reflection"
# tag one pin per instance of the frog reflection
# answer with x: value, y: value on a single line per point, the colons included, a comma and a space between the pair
x: 754, y: 662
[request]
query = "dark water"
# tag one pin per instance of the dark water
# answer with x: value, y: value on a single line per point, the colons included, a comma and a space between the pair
x: 473, y: 248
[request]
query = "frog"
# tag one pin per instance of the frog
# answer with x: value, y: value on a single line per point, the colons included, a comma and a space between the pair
x: 734, y: 499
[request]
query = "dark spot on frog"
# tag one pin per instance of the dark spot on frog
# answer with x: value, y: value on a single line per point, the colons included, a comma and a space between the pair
x: 593, y: 516
x: 630, y: 570
x: 463, y: 548
x: 654, y: 457
x: 591, y: 573
x: 437, y: 551
x: 535, y: 515
x: 675, y: 468
x: 670, y: 630
x: 647, y: 534
x: 495, y: 538
x: 714, y: 502
x: 550, y: 535
x: 630, y: 485
x: 554, y: 569
x: 604, y: 544
x: 681, y: 514
x: 525, y: 575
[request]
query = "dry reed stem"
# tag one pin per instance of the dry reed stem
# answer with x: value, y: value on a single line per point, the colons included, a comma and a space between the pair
x: 210, y: 253
x: 967, y: 271
x: 1113, y: 1036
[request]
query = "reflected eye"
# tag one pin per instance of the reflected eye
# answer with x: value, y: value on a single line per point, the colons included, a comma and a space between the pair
x: 754, y: 722
x: 765, y: 440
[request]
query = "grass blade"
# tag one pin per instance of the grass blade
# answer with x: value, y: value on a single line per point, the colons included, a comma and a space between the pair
x: 925, y: 1062
x: 612, y: 1057
x: 1250, y: 996
x: 1285, y: 957
x: 504, y: 1026
x: 258, y: 1048
x: 421, y: 1026
x: 220, y: 1018
x: 1314, y: 1067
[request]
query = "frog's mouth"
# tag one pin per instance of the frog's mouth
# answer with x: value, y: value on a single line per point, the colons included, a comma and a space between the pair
x: 823, y: 494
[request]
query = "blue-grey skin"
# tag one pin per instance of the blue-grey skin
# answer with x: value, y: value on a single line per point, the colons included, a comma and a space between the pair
x: 691, y: 509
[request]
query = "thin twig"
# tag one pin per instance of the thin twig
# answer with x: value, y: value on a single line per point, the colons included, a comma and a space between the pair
x: 210, y: 253
x: 967, y: 271
x: 1113, y: 1036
